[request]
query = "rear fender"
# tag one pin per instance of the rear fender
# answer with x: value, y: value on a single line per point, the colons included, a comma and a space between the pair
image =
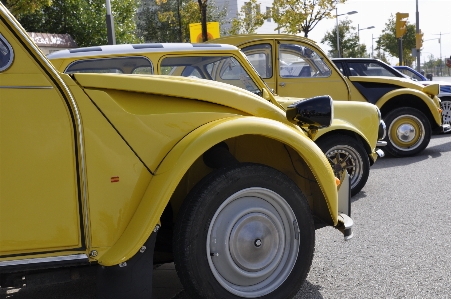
x: 179, y: 160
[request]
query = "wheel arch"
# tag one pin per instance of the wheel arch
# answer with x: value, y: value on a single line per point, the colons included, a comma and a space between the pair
x: 294, y: 150
x: 353, y: 133
x: 413, y: 99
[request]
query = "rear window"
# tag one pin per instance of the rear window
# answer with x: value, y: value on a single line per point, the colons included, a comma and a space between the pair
x: 6, y: 54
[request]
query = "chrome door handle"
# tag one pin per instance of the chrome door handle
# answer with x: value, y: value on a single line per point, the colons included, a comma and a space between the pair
x: 282, y: 84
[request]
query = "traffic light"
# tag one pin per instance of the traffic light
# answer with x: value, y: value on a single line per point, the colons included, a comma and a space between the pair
x: 401, y: 23
x: 419, y: 40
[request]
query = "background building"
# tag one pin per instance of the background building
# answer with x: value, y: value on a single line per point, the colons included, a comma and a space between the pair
x: 49, y: 42
x: 234, y: 6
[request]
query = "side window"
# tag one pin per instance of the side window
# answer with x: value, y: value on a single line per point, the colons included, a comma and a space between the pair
x: 119, y: 65
x: 190, y: 71
x: 339, y: 66
x: 368, y: 69
x: 296, y: 61
x: 143, y: 70
x: 260, y: 56
x: 6, y: 54
x: 186, y: 66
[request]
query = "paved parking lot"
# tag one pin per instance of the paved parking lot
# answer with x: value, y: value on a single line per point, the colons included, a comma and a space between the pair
x: 401, y: 248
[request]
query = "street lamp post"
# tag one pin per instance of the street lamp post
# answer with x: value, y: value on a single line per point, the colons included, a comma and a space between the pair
x: 110, y: 24
x: 338, y: 32
x: 417, y: 16
x: 358, y: 35
x: 372, y: 44
x: 440, y: 42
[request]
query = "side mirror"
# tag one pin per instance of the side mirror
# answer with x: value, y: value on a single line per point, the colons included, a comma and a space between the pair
x: 313, y: 113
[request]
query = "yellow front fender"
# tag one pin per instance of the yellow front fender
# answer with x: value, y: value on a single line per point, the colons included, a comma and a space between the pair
x: 339, y: 124
x: 433, y: 104
x: 189, y: 149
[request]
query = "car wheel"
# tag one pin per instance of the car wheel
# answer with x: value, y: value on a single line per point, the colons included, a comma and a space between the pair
x: 408, y: 132
x: 446, y: 107
x: 244, y: 232
x: 346, y: 153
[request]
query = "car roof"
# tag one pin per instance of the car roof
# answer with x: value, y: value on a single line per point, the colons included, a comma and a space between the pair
x: 357, y: 59
x: 138, y: 48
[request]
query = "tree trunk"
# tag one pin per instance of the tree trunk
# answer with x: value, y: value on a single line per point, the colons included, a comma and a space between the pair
x: 179, y: 18
x: 203, y: 14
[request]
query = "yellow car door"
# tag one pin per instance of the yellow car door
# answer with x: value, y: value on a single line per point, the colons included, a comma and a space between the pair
x: 295, y: 69
x: 40, y: 167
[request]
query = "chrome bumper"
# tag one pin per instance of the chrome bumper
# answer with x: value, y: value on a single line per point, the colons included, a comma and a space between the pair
x: 382, y: 131
x: 345, y: 226
x: 445, y: 128
x: 345, y: 222
x: 380, y: 153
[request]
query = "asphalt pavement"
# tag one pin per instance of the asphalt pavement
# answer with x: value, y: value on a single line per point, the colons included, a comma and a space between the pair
x: 401, y: 246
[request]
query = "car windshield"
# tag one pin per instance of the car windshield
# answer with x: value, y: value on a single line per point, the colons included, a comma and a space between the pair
x: 224, y: 69
x: 410, y: 74
x: 255, y: 71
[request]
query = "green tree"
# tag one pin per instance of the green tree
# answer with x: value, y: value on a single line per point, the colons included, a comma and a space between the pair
x: 18, y: 7
x: 435, y: 66
x: 249, y: 19
x: 84, y: 20
x: 349, y: 41
x: 168, y: 20
x: 388, y: 42
x: 381, y: 56
x: 294, y: 16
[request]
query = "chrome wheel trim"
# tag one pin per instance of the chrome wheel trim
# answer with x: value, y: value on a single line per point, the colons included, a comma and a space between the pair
x: 343, y: 157
x: 446, y: 114
x: 406, y: 132
x: 252, y: 242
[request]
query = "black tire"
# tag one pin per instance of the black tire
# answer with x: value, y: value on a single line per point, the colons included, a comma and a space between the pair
x: 446, y: 107
x: 408, y: 132
x: 344, y: 152
x: 242, y: 213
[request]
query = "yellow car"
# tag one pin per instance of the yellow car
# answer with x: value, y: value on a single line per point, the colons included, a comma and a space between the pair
x: 296, y: 66
x: 349, y: 143
x: 92, y: 165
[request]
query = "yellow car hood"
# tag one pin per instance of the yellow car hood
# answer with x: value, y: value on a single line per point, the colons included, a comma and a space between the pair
x: 184, y: 87
x: 432, y: 89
